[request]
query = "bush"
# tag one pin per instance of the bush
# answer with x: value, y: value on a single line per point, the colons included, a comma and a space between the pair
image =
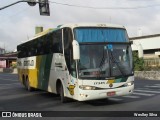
x: 13, y: 65
x: 137, y: 62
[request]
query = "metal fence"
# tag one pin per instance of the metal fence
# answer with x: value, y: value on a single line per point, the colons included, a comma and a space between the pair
x: 155, y: 62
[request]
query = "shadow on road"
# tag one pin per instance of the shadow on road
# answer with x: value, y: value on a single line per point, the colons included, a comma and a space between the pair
x: 102, y: 102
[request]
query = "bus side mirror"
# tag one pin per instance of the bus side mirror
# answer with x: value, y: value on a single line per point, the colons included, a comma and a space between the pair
x: 76, y: 51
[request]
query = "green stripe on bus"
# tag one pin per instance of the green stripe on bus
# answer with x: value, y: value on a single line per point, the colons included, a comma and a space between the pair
x: 118, y: 80
x: 124, y: 79
x: 44, y: 71
x: 121, y: 80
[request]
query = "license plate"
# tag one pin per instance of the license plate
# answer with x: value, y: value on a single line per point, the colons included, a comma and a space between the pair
x: 111, y: 93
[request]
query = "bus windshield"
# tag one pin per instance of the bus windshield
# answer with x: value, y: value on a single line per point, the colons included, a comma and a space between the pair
x: 100, y: 35
x: 103, y: 61
x: 101, y: 53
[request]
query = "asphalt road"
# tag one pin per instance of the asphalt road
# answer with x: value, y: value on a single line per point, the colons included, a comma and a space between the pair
x: 13, y: 97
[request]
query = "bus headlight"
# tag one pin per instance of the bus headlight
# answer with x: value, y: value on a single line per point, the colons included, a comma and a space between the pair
x: 129, y: 83
x: 86, y: 87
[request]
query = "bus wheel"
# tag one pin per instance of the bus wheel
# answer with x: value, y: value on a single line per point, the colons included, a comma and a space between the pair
x: 24, y: 81
x: 63, y: 98
x: 28, y: 87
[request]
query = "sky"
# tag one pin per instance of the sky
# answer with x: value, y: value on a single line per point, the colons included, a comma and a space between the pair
x: 18, y: 22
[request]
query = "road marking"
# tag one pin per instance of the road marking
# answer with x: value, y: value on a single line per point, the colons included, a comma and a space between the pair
x: 157, y: 84
x: 115, y: 99
x: 9, y: 79
x: 150, y: 91
x: 8, y: 87
x: 142, y: 88
x: 19, y: 95
x: 6, y: 75
x: 9, y: 84
x: 152, y: 86
x: 144, y: 94
x: 131, y: 96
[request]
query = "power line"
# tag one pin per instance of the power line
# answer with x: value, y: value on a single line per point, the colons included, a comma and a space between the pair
x: 90, y: 7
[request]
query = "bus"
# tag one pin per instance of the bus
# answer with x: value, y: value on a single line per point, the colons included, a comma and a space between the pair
x: 78, y: 61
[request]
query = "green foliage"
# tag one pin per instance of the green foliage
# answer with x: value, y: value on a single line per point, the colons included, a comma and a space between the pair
x: 137, y: 62
x: 14, y: 65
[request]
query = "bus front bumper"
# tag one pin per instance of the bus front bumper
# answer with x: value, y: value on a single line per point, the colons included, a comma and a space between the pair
x: 85, y: 95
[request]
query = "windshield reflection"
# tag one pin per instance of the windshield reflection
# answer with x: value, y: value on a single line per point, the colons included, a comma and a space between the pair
x: 101, y: 61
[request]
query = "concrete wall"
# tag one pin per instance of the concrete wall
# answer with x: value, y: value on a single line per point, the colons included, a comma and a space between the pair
x: 9, y: 70
x: 154, y: 75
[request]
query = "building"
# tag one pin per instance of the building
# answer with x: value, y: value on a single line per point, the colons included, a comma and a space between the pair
x: 149, y: 43
x: 8, y: 60
x: 2, y: 51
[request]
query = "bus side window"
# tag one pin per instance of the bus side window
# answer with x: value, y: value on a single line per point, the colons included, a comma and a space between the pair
x: 20, y: 52
x: 67, y: 47
x: 67, y: 38
x: 59, y: 37
x: 45, y: 45
x: 50, y: 43
x: 25, y: 52
x: 57, y: 41
x: 54, y: 43
x: 38, y: 48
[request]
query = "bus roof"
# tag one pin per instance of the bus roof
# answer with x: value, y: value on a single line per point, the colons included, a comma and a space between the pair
x: 44, y: 32
x: 39, y: 35
x: 74, y: 25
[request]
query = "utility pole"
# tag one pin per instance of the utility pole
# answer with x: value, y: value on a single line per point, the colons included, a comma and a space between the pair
x: 13, y: 4
x: 43, y: 6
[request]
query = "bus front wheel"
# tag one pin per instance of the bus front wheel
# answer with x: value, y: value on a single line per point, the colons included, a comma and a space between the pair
x: 63, y: 98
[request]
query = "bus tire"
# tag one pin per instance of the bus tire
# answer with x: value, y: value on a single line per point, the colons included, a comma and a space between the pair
x: 23, y: 81
x: 28, y: 87
x: 63, y: 98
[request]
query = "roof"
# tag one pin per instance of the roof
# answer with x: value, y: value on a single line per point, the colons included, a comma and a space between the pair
x: 13, y: 58
x: 12, y: 54
x: 72, y: 25
x: 148, y: 42
x: 43, y: 33
x: 146, y: 36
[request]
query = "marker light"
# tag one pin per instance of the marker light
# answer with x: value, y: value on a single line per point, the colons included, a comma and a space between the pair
x: 129, y: 83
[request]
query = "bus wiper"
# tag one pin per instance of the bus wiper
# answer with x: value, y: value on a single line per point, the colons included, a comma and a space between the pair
x: 101, y: 64
x: 102, y: 61
x: 114, y: 61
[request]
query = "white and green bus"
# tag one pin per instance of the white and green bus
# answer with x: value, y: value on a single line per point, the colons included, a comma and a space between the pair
x: 78, y: 61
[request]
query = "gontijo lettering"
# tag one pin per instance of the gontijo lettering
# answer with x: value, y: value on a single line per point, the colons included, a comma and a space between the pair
x: 29, y: 63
